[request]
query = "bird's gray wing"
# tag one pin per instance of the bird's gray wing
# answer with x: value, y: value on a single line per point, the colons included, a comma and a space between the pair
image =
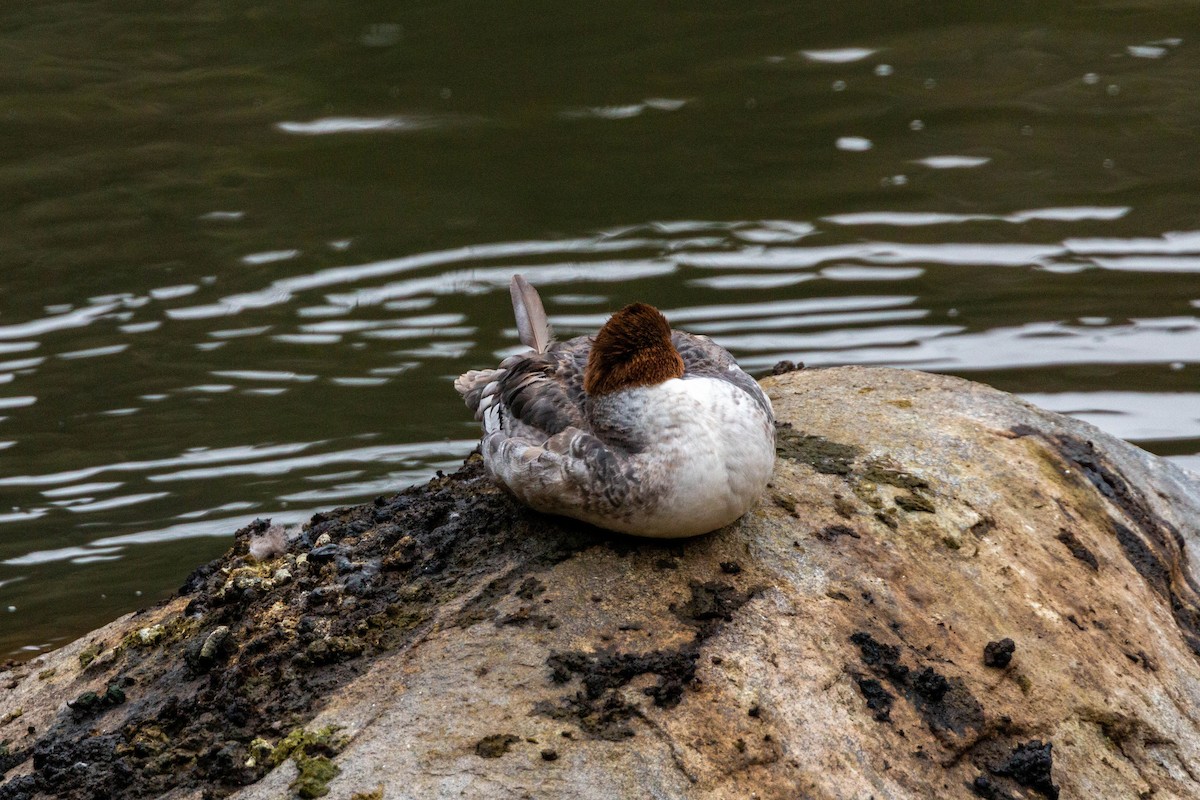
x: 704, y: 358
x: 531, y: 395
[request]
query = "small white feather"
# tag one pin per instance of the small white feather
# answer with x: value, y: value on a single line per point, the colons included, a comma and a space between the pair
x: 269, y: 544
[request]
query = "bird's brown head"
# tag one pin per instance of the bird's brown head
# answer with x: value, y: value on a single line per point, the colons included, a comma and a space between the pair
x: 632, y: 349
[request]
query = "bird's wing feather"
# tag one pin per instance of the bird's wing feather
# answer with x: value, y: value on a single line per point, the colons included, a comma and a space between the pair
x: 571, y: 473
x: 536, y: 394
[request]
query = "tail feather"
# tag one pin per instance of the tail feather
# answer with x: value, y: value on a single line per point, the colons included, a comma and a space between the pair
x: 532, y: 325
x: 473, y: 385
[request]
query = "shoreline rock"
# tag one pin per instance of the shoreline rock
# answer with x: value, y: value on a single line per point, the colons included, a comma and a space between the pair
x: 946, y: 592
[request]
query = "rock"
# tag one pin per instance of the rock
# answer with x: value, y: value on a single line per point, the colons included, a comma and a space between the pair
x: 325, y: 552
x: 150, y: 635
x: 90, y: 703
x: 828, y: 645
x: 999, y: 654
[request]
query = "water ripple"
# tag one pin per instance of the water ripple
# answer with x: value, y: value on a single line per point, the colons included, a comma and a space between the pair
x: 788, y: 322
x: 1150, y: 263
x: 752, y: 281
x: 843, y: 55
x: 61, y: 554
x: 262, y: 375
x: 1000, y: 348
x: 93, y: 352
x: 627, y: 111
x: 205, y: 456
x: 221, y: 526
x: 1137, y: 416
x: 117, y: 502
x: 952, y: 162
x: 911, y: 219
x: 38, y: 327
x: 333, y: 125
x: 82, y: 488
x: 383, y: 454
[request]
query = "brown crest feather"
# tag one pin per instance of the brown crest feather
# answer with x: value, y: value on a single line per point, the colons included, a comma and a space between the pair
x: 632, y: 349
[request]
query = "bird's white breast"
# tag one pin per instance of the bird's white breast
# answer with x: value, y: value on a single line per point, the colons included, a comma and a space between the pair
x: 710, y: 450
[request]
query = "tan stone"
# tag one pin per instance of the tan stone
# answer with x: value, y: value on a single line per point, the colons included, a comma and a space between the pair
x: 912, y: 520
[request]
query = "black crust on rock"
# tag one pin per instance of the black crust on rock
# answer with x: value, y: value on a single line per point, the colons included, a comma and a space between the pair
x: 999, y: 654
x: 218, y: 679
x: 1151, y: 544
x: 598, y: 709
x: 945, y: 704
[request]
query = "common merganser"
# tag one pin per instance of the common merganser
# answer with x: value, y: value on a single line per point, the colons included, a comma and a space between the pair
x: 638, y: 429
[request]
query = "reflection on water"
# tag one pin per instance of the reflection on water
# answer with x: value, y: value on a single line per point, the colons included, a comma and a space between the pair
x: 254, y: 304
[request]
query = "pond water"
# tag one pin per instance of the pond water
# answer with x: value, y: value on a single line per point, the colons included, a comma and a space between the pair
x: 245, y: 249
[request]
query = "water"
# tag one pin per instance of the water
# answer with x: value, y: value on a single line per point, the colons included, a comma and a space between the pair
x: 244, y: 250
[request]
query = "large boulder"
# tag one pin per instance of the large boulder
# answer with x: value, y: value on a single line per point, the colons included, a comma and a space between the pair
x: 947, y: 592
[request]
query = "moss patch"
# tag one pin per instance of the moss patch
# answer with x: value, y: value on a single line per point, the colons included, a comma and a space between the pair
x: 1077, y: 548
x: 300, y: 742
x: 830, y: 458
x: 312, y: 752
x: 174, y: 629
x: 495, y: 745
x: 915, y: 503
x: 892, y: 475
x: 90, y: 703
x: 88, y: 654
x: 315, y: 775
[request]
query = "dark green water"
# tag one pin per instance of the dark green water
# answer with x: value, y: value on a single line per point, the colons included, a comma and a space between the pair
x: 244, y: 249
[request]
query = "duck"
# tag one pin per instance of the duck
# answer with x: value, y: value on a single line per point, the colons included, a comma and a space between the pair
x: 638, y: 429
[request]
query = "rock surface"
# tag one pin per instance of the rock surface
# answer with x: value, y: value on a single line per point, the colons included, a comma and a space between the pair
x: 847, y: 639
